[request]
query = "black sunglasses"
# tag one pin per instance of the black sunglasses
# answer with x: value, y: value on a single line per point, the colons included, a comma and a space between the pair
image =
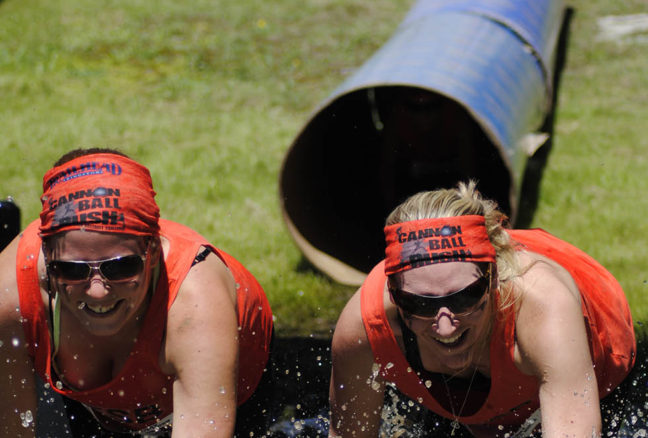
x: 462, y: 302
x: 114, y: 270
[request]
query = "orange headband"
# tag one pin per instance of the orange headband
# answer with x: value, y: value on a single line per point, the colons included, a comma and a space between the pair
x: 428, y: 241
x: 99, y: 192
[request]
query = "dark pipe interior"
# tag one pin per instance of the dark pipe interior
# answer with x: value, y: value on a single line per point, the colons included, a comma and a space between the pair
x: 363, y: 155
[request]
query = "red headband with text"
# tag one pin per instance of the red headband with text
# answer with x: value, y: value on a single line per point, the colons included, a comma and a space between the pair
x: 428, y: 241
x: 99, y: 192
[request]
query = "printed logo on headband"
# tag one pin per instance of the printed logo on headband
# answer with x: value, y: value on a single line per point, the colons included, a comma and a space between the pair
x: 99, y: 192
x: 99, y: 206
x: 432, y: 245
x: 84, y: 169
x: 429, y: 241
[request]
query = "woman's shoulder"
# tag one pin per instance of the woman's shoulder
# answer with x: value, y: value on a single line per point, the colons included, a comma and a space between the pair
x: 542, y: 277
x: 350, y: 333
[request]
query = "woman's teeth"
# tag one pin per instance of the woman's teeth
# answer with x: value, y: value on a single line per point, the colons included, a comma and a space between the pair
x: 449, y: 340
x: 100, y: 308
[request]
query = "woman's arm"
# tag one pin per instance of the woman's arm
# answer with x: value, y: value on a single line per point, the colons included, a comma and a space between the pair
x: 202, y: 350
x: 356, y: 389
x: 17, y: 382
x: 553, y: 345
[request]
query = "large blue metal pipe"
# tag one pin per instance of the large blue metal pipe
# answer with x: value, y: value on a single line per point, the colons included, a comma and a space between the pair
x: 461, y: 90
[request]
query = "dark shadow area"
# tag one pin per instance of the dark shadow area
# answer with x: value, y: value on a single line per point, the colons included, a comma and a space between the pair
x: 302, y: 367
x: 9, y: 220
x: 623, y: 411
x: 530, y: 190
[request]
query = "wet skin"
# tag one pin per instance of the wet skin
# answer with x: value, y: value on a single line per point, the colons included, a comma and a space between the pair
x: 447, y: 340
x: 97, y: 306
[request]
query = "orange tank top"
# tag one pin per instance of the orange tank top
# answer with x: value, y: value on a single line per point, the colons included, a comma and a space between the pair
x: 513, y: 396
x: 141, y: 395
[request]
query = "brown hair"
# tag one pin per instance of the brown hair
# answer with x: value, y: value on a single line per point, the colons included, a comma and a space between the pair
x: 75, y: 153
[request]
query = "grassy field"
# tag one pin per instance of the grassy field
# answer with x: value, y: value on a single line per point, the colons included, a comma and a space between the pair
x: 210, y: 94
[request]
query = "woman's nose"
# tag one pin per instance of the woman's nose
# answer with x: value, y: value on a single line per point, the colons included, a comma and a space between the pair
x: 445, y: 325
x: 97, y: 287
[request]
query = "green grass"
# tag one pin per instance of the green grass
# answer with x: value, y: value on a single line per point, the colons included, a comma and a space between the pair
x: 593, y: 190
x: 210, y: 94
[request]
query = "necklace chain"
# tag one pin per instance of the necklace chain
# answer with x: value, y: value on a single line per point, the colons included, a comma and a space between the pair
x: 455, y: 423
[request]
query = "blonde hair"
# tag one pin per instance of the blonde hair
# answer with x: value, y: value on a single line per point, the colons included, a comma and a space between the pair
x: 466, y: 200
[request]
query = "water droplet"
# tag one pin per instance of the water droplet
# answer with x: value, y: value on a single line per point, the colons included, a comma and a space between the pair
x: 59, y: 384
x: 222, y: 390
x: 27, y: 418
x: 81, y: 305
x: 15, y: 342
x: 428, y: 383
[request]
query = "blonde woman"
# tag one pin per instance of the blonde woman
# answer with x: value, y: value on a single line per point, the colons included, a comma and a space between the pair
x: 503, y: 331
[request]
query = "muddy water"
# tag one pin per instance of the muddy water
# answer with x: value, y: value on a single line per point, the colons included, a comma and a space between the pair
x: 299, y: 402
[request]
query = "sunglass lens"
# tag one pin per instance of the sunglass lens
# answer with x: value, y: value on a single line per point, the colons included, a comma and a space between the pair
x: 470, y: 296
x: 122, y: 268
x: 71, y: 271
x: 462, y: 301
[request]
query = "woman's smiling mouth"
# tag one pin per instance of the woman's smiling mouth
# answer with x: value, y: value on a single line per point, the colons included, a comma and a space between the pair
x: 99, y: 308
x: 452, y: 341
